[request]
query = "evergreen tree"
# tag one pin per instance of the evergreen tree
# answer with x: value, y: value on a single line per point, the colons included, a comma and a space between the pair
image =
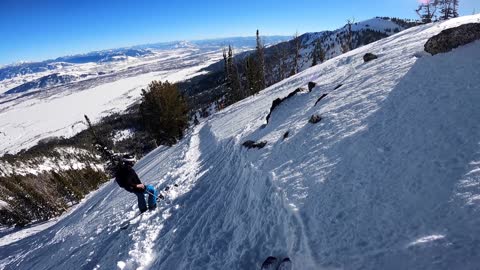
x: 164, y: 112
x: 281, y: 56
x: 448, y: 9
x: 296, y: 56
x: 347, y: 43
x: 261, y: 63
x: 225, y: 64
x: 455, y: 4
x: 250, y: 74
x: 233, y: 81
x: 445, y: 9
x: 255, y: 69
x: 318, y: 53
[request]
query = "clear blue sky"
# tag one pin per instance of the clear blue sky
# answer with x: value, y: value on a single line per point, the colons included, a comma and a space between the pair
x: 32, y: 30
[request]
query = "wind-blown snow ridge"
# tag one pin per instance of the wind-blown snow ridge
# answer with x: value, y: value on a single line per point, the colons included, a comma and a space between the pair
x: 388, y: 179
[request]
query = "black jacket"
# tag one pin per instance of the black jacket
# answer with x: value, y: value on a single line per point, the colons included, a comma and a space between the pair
x: 127, y: 178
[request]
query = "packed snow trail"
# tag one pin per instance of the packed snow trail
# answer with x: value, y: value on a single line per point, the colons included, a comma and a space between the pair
x: 388, y: 179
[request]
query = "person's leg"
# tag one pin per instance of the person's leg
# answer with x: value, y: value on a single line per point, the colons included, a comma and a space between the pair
x: 152, y: 196
x: 142, y: 204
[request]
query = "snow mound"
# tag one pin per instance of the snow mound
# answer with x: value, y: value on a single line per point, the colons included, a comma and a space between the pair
x: 388, y: 179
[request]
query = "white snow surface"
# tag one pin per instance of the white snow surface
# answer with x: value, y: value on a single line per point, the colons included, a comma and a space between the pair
x: 121, y: 135
x: 3, y: 204
x: 388, y: 179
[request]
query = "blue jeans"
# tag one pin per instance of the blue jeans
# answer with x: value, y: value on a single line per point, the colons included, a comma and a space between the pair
x: 152, y: 198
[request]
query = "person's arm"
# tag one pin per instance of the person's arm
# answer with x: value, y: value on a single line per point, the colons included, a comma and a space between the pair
x: 135, y: 182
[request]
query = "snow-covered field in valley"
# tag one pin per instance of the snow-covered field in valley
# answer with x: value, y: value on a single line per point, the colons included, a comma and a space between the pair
x: 27, y: 119
x: 388, y: 179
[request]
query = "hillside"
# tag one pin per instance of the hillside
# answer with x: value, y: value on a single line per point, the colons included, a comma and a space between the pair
x: 209, y: 88
x: 387, y: 179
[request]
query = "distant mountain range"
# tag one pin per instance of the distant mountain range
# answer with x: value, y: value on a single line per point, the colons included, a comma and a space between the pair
x: 120, y: 54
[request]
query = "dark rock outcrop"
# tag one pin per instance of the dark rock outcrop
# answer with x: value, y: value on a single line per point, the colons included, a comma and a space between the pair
x: 315, y: 119
x: 452, y: 38
x: 311, y: 85
x: 278, y: 101
x: 320, y: 98
x: 369, y: 57
x: 338, y: 86
x: 252, y: 144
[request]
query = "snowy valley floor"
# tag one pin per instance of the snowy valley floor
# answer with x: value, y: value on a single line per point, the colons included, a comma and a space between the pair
x: 388, y: 179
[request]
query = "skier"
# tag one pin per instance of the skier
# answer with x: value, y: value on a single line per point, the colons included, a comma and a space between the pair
x: 127, y: 178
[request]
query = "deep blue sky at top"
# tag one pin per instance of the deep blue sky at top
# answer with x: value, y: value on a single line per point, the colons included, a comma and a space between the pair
x: 33, y: 30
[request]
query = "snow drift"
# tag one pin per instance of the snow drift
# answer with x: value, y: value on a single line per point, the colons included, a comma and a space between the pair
x: 388, y: 179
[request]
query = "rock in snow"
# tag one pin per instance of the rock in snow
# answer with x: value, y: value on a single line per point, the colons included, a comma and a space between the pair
x: 390, y: 180
x: 369, y: 57
x: 315, y: 119
x: 452, y: 38
x: 311, y: 85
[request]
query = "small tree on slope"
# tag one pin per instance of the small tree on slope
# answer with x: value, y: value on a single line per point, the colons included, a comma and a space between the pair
x: 318, y: 54
x: 164, y: 112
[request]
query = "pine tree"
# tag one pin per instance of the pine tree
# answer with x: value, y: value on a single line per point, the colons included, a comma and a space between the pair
x: 318, y: 53
x: 281, y: 56
x: 261, y: 63
x: 255, y: 69
x: 233, y: 82
x: 321, y: 53
x: 445, y: 9
x: 347, y: 44
x: 225, y: 64
x: 296, y: 56
x: 164, y: 112
x: 250, y: 74
x: 455, y: 4
x: 448, y: 9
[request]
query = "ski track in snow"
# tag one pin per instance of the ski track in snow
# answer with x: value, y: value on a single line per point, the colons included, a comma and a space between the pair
x: 388, y: 179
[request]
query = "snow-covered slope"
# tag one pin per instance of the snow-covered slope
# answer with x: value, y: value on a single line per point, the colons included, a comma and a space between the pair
x: 363, y: 32
x: 388, y: 179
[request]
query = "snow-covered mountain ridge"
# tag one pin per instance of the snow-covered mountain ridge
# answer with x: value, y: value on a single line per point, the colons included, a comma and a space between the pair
x: 388, y: 179
x: 105, y: 61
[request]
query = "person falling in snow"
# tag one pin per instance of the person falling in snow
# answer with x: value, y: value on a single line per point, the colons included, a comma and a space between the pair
x: 127, y: 178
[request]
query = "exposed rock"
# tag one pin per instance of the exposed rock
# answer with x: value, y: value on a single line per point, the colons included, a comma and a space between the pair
x: 369, y: 57
x: 338, y: 86
x: 251, y: 144
x: 320, y: 98
x: 278, y: 101
x: 286, y: 134
x: 311, y: 85
x: 452, y: 38
x: 315, y: 119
